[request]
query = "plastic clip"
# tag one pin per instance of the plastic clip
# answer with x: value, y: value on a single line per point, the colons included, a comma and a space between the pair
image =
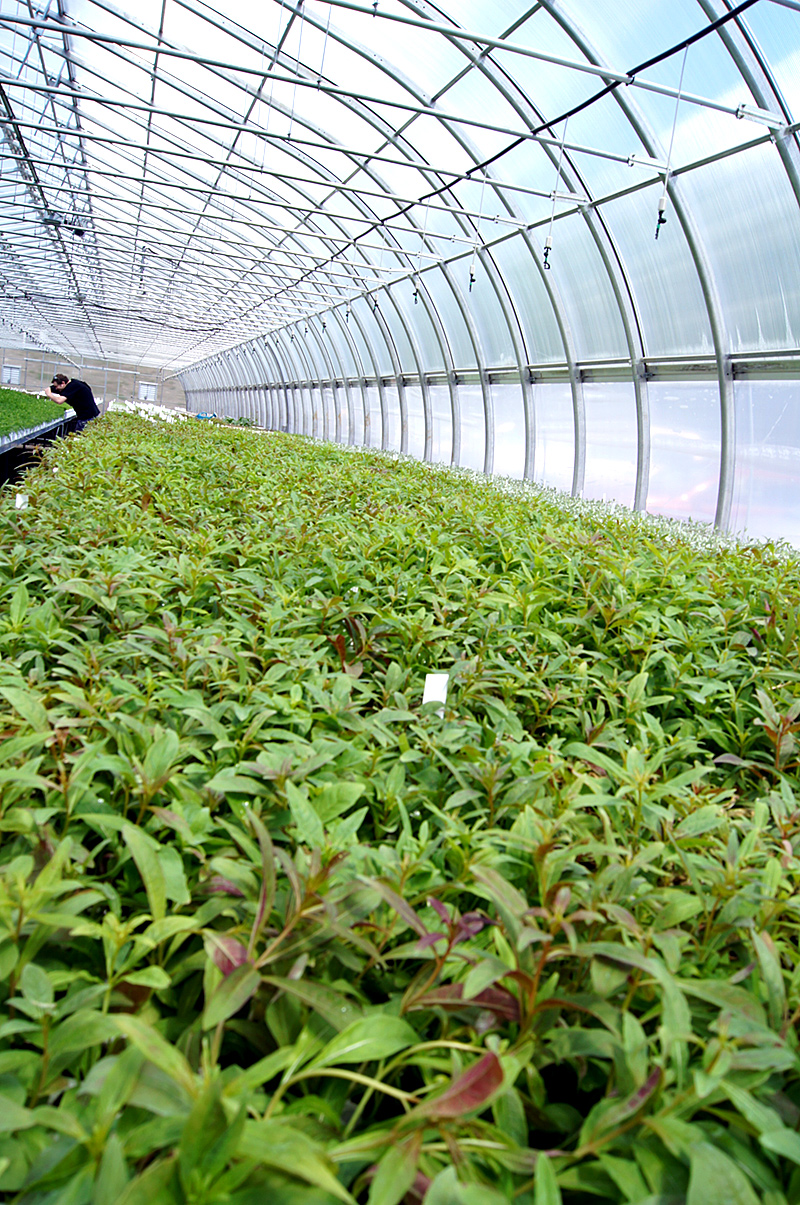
x: 548, y: 247
x: 661, y: 220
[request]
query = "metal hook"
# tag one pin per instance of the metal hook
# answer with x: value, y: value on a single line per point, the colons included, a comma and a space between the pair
x: 548, y: 247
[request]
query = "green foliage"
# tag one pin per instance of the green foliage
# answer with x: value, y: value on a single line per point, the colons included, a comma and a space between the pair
x: 22, y: 411
x: 271, y: 929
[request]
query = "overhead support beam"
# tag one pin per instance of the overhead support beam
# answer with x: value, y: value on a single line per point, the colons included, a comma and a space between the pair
x: 608, y: 76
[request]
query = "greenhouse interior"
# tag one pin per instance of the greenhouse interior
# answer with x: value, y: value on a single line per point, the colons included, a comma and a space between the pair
x: 400, y: 626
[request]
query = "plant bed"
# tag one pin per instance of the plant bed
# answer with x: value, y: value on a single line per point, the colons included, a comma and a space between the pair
x: 25, y: 412
x: 274, y: 930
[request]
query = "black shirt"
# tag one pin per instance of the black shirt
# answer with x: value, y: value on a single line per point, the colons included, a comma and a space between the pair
x: 81, y: 399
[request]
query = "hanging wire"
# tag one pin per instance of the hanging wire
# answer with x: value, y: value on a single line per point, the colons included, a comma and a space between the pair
x: 272, y: 81
x: 548, y: 242
x: 324, y: 47
x: 662, y: 200
x: 419, y: 253
x: 297, y: 64
x: 478, y: 236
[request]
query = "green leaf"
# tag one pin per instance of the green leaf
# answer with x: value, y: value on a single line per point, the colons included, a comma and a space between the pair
x: 335, y: 1008
x: 28, y: 705
x: 112, y: 1174
x: 483, y: 975
x: 335, y: 798
x: 20, y: 601
x: 716, y: 1180
x: 287, y: 1149
x: 176, y: 888
x: 160, y: 755
x: 232, y: 994
x: 83, y: 1030
x: 771, y: 973
x: 153, y: 976
x: 307, y: 822
x: 36, y: 986
x: 208, y: 1141
x: 396, y: 1172
x: 155, y: 1048
x: 14, y: 1117
x: 545, y: 1187
x: 145, y: 855
x: 152, y: 1187
x: 784, y: 1142
x: 367, y: 1040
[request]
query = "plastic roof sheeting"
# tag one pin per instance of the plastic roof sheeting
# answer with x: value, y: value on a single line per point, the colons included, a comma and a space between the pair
x: 431, y: 227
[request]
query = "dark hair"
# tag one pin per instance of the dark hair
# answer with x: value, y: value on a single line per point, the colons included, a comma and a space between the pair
x: 60, y: 379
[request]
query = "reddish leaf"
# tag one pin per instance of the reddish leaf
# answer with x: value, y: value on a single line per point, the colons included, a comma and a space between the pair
x: 226, y: 952
x: 439, y: 909
x: 430, y: 939
x: 399, y: 904
x: 470, y: 1091
x: 492, y: 999
x: 216, y: 885
x: 470, y: 924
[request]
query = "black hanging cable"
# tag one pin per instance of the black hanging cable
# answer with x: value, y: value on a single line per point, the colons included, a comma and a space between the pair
x: 554, y: 121
x: 614, y: 84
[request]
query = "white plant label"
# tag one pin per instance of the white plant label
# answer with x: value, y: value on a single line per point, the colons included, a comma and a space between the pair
x: 435, y: 690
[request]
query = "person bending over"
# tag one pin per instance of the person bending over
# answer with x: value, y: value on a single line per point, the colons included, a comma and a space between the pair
x: 76, y: 394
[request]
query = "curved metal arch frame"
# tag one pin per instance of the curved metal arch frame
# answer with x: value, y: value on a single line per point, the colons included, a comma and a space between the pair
x: 699, y: 259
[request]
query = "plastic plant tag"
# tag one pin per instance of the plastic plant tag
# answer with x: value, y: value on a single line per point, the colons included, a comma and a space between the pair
x: 21, y: 502
x: 435, y: 690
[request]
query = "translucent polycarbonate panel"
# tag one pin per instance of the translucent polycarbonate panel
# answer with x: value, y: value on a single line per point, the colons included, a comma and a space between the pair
x: 766, y: 496
x: 342, y: 413
x: 473, y: 427
x: 709, y: 71
x: 584, y: 287
x: 316, y: 427
x: 753, y: 245
x: 534, y: 167
x: 442, y: 432
x: 416, y: 421
x: 483, y: 304
x: 775, y: 28
x: 480, y: 103
x: 435, y: 145
x: 339, y: 334
x: 611, y: 442
x: 418, y: 319
x: 306, y: 399
x: 357, y: 400
x: 363, y: 350
x: 533, y: 305
x: 391, y: 434
x: 373, y: 419
x: 328, y: 413
x: 684, y: 449
x: 555, y: 435
x: 451, y: 317
x: 663, y: 280
x: 404, y: 353
x: 424, y: 58
x: 509, y: 430
x: 371, y: 327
